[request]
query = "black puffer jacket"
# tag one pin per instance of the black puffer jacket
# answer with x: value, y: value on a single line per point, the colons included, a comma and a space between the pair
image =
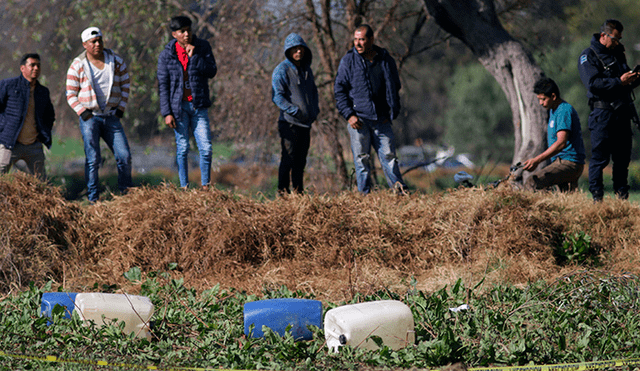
x: 14, y: 100
x: 353, y: 90
x: 201, y: 68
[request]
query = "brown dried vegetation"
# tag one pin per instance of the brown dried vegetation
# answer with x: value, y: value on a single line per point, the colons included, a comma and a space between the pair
x: 330, y: 245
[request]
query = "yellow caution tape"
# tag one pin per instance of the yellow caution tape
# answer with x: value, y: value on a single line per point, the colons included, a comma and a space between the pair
x: 593, y: 365
x: 580, y: 366
x: 107, y: 364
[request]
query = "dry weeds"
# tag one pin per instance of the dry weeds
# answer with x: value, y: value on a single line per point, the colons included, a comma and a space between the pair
x: 330, y: 245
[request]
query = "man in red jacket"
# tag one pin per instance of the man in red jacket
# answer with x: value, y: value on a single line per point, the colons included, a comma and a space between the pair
x: 184, y: 68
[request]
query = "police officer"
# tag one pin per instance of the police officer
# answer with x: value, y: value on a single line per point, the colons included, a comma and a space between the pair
x: 610, y: 82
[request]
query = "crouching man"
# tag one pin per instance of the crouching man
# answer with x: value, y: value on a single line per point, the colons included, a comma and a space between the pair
x: 564, y: 141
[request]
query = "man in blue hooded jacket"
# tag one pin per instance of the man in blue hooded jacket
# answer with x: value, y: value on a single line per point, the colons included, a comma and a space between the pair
x: 184, y: 69
x: 294, y: 92
x: 26, y: 118
x: 366, y: 91
x: 610, y: 82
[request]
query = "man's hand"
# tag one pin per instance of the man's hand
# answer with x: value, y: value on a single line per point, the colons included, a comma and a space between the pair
x: 170, y: 121
x: 189, y: 50
x: 86, y: 115
x: 557, y: 146
x: 530, y: 165
x: 355, y: 122
x: 629, y: 77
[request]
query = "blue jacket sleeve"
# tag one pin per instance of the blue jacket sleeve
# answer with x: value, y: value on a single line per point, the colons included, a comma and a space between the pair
x: 280, y: 91
x: 395, y: 76
x: 341, y: 89
x: 3, y: 96
x: 204, y: 61
x: 164, y: 86
x: 593, y: 79
x: 393, y: 69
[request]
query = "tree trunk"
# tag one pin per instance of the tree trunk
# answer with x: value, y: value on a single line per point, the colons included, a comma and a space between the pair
x: 329, y: 59
x: 476, y: 24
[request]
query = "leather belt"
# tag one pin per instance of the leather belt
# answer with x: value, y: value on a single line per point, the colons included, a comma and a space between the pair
x: 601, y: 104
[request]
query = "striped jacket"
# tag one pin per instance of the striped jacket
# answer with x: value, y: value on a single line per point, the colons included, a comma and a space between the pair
x: 80, y: 93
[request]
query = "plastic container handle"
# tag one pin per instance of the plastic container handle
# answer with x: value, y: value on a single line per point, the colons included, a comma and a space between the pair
x: 333, y: 334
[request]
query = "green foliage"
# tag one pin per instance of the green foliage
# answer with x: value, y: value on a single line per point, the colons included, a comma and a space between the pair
x: 578, y: 249
x: 579, y: 318
x: 134, y: 274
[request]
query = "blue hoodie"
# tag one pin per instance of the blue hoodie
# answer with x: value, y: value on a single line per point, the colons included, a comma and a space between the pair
x: 293, y: 89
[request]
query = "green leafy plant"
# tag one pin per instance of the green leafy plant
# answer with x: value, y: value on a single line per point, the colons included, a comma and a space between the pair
x: 581, y: 317
x: 134, y: 274
x: 577, y: 248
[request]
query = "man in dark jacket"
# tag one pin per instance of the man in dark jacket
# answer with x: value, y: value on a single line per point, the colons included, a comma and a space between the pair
x: 184, y: 69
x: 366, y: 91
x: 26, y: 118
x: 609, y: 81
x: 294, y: 91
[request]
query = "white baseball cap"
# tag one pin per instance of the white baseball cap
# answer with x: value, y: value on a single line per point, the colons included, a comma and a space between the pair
x: 90, y: 33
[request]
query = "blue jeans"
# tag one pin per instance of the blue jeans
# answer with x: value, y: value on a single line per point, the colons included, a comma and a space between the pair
x: 196, y: 121
x: 380, y: 135
x: 111, y: 131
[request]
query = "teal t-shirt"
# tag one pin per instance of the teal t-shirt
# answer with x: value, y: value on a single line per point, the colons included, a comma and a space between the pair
x: 565, y: 117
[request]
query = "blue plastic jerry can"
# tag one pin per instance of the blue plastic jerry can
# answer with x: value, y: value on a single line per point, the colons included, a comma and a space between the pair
x: 50, y: 299
x: 277, y: 314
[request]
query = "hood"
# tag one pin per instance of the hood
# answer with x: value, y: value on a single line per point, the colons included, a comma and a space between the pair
x: 296, y: 40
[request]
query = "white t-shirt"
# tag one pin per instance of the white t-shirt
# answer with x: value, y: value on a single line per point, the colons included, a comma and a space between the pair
x: 101, y: 82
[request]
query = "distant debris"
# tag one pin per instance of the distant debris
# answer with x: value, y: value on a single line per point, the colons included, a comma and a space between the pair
x: 432, y: 157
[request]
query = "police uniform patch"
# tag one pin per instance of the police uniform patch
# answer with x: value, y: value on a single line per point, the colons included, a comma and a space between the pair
x: 583, y: 58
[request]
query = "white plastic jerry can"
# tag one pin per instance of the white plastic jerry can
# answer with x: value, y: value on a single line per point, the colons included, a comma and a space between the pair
x: 135, y: 311
x: 354, y: 324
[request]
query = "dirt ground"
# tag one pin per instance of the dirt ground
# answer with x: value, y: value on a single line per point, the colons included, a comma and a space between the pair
x: 331, y: 245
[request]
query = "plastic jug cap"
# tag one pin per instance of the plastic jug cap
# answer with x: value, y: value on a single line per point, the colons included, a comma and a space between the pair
x: 342, y: 339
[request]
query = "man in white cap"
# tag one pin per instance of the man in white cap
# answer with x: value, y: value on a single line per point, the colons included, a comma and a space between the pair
x: 98, y: 91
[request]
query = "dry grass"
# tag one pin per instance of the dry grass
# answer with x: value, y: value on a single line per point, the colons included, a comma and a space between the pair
x: 331, y: 245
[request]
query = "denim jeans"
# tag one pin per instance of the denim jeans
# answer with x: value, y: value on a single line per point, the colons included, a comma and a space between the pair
x: 111, y: 131
x: 196, y: 121
x: 380, y: 135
